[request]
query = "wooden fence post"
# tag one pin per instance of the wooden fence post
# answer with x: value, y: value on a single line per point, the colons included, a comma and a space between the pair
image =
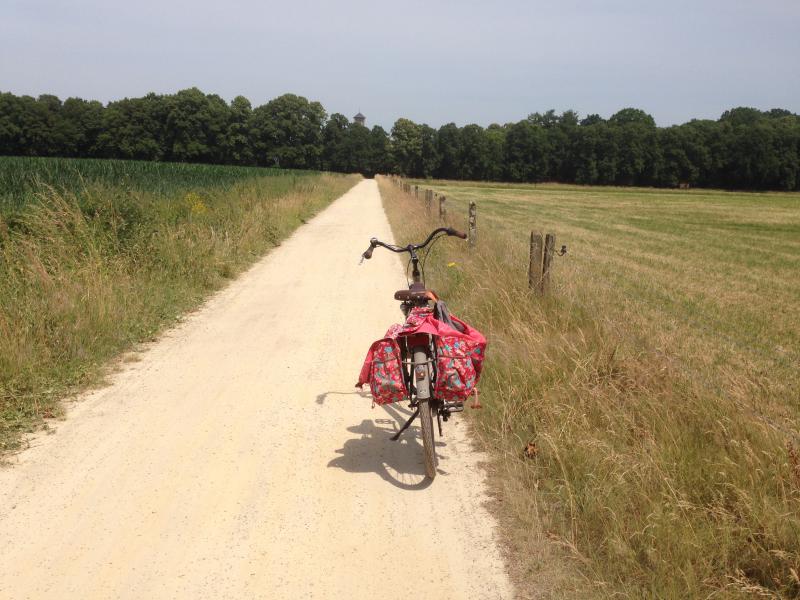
x: 442, y: 209
x: 416, y: 192
x: 547, y: 263
x: 535, y: 265
x: 428, y: 201
x: 473, y: 223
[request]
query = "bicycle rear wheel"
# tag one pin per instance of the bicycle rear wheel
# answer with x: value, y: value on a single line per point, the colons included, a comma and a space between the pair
x: 423, y: 387
x: 428, y: 448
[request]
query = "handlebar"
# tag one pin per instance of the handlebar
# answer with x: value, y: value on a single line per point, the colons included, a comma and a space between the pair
x: 412, y: 248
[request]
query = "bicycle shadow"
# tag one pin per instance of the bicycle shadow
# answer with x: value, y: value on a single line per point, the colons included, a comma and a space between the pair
x: 399, y: 463
x: 324, y: 395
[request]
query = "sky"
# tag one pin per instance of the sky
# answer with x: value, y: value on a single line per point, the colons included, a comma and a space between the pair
x: 434, y: 62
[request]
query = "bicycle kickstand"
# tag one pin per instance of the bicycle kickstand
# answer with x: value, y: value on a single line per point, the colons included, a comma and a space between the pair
x: 396, y: 436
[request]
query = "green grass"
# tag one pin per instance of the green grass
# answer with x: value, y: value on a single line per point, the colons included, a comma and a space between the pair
x: 89, y: 265
x: 658, y: 382
x: 22, y: 178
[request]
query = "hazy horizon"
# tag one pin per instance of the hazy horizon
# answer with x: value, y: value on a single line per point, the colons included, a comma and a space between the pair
x: 464, y: 62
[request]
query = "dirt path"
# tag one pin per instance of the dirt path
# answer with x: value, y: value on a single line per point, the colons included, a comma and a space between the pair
x: 235, y: 459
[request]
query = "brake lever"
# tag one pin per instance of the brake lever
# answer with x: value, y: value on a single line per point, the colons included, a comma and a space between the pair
x: 368, y: 252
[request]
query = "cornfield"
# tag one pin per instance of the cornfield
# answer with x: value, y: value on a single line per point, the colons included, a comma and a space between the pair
x: 22, y: 177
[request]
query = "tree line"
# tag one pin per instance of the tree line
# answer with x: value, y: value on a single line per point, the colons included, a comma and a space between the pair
x: 744, y: 149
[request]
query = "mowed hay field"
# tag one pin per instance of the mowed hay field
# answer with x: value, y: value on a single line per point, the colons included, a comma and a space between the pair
x: 643, y: 417
x: 96, y: 256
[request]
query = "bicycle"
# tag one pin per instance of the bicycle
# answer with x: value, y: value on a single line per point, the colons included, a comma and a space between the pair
x: 418, y: 357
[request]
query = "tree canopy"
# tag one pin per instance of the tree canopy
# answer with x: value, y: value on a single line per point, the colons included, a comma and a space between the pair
x: 745, y: 148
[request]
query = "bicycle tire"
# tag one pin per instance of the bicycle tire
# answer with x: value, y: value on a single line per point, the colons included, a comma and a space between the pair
x: 423, y: 387
x: 428, y: 448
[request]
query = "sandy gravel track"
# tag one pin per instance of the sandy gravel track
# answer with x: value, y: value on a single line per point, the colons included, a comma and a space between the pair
x: 236, y: 460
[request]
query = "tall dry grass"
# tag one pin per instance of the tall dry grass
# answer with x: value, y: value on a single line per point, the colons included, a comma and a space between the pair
x: 87, y: 273
x: 623, y: 467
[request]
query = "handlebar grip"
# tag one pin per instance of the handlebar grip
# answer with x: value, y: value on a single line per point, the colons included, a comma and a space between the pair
x: 368, y: 253
x: 456, y: 233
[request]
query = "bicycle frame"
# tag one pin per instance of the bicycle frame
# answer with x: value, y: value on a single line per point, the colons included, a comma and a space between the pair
x: 419, y: 361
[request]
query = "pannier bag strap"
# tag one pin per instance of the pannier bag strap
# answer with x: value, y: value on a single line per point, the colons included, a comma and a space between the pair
x: 442, y: 313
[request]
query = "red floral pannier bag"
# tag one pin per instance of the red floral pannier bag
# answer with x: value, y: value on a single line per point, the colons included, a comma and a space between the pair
x: 383, y: 370
x: 459, y: 358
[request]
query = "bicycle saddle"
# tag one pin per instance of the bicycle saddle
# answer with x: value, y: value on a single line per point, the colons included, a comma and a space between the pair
x: 419, y: 294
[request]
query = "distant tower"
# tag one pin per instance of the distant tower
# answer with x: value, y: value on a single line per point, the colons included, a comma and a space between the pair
x: 360, y: 119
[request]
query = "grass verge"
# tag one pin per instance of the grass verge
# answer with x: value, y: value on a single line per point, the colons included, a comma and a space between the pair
x: 634, y: 455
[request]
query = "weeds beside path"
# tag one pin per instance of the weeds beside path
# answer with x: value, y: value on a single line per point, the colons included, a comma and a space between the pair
x: 634, y: 455
x: 89, y: 270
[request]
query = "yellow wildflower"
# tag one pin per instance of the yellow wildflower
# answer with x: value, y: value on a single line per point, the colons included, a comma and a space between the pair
x: 195, y: 203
